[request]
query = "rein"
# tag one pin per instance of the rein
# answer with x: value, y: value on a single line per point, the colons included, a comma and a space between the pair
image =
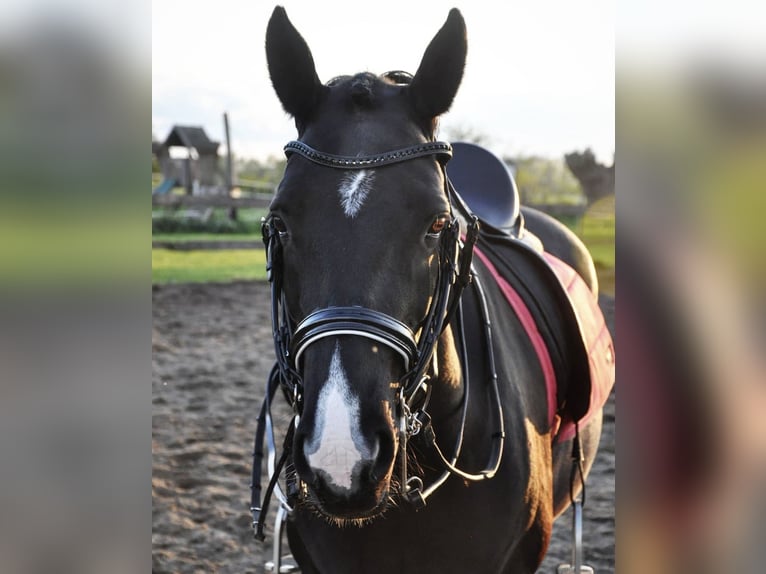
x: 418, y: 353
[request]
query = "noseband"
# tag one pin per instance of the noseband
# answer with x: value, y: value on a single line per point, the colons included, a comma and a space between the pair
x: 335, y: 321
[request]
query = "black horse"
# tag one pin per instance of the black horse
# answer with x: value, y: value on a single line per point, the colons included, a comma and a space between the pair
x: 425, y: 437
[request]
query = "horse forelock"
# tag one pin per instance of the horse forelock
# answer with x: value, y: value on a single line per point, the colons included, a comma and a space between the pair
x: 361, y: 89
x: 365, y: 90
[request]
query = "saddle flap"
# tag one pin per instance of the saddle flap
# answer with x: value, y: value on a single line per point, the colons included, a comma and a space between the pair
x: 597, y: 348
x: 577, y: 343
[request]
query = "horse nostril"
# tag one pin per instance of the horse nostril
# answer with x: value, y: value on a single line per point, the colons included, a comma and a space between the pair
x: 383, y: 455
x: 302, y: 466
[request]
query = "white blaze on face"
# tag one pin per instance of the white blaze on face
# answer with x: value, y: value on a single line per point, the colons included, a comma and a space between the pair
x: 333, y: 448
x: 353, y: 190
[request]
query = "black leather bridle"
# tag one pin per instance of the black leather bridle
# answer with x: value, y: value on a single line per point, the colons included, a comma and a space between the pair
x: 417, y: 352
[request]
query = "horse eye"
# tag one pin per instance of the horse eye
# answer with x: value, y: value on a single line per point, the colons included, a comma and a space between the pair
x: 279, y: 225
x: 438, y: 225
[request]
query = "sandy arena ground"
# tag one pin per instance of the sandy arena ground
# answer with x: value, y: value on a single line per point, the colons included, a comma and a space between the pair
x: 212, y: 351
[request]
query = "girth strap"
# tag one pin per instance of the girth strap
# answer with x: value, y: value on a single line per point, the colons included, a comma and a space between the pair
x: 441, y: 149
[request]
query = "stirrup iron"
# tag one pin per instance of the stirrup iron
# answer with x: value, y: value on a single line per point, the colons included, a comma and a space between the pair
x: 576, y: 567
x: 280, y: 564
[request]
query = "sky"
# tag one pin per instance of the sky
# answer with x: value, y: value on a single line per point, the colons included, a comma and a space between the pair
x: 539, y: 79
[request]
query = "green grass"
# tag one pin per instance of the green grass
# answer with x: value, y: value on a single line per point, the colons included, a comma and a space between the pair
x: 600, y: 243
x: 206, y: 266
x: 169, y: 266
x: 597, y: 229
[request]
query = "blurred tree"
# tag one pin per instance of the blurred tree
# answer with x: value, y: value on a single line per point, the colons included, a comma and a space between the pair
x: 544, y: 181
x: 596, y: 180
x: 268, y: 171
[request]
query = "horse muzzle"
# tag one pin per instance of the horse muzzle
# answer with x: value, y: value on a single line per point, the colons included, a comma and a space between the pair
x: 345, y: 478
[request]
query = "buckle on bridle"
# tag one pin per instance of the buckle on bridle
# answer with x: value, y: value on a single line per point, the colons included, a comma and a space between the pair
x: 257, y: 531
x: 413, y: 492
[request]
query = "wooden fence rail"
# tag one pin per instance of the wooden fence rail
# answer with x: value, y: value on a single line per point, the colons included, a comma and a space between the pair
x: 194, y: 245
x: 263, y: 200
x: 198, y: 201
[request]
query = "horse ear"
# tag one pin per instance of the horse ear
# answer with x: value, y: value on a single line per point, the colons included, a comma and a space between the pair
x: 438, y: 77
x: 291, y: 66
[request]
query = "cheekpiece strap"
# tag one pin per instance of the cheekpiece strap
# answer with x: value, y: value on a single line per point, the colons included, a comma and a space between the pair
x: 441, y: 149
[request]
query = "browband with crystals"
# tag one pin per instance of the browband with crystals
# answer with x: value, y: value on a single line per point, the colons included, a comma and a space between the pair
x: 441, y: 149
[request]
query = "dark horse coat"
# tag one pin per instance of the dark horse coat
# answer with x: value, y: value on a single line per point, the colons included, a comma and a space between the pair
x: 370, y: 239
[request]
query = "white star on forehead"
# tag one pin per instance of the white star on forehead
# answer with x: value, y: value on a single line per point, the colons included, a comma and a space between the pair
x: 353, y: 190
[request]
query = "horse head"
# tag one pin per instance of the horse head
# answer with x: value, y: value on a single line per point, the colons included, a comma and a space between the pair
x: 360, y: 249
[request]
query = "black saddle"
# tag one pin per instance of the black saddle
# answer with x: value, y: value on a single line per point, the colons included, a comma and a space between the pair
x: 486, y: 186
